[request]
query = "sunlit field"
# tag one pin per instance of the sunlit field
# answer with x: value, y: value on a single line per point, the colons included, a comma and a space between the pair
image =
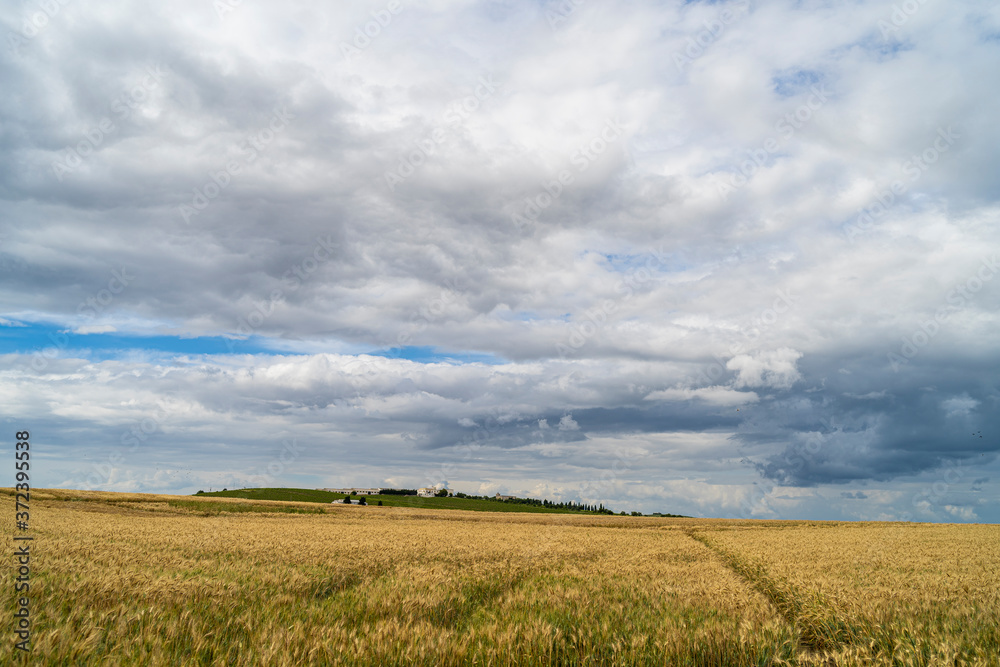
x: 906, y: 594
x: 140, y: 579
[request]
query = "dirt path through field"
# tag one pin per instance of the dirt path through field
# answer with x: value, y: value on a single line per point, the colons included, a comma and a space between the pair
x: 819, y: 633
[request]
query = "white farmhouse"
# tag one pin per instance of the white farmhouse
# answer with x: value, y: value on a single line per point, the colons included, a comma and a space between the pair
x: 427, y: 492
x: 356, y: 492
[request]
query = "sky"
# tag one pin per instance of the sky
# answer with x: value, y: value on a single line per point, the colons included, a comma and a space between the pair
x: 720, y: 259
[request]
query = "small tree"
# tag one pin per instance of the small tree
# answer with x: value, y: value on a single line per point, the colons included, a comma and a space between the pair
x: 347, y: 500
x: 362, y: 501
x: 380, y: 503
x: 443, y: 493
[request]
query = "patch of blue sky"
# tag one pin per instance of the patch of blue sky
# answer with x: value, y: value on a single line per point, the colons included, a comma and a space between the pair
x: 889, y: 50
x: 430, y: 354
x: 794, y: 82
x: 31, y: 337
x: 629, y: 263
x: 504, y: 313
x: 885, y: 48
x: 524, y: 316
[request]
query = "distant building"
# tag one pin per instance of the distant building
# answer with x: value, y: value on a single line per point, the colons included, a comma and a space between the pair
x: 356, y: 492
x: 427, y: 492
x: 499, y: 497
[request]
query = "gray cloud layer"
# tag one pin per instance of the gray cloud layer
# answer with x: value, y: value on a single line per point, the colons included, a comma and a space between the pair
x: 731, y: 258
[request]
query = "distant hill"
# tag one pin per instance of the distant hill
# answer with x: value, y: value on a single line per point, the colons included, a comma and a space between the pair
x: 297, y: 495
x: 451, y: 502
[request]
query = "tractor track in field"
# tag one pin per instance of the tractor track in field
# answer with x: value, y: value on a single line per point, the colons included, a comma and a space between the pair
x: 819, y: 633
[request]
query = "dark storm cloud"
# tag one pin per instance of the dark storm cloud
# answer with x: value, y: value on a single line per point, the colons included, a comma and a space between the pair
x: 920, y: 418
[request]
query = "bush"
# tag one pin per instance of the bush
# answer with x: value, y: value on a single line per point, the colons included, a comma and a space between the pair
x: 380, y: 503
x: 362, y: 501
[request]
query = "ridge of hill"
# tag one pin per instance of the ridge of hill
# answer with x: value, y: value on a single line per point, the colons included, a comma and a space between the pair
x: 450, y: 502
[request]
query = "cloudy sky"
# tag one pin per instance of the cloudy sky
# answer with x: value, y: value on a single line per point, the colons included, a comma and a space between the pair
x: 713, y: 258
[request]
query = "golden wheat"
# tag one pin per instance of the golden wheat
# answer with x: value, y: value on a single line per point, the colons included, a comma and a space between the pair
x: 881, y: 593
x: 160, y: 580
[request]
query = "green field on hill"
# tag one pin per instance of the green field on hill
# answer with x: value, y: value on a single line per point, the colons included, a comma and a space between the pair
x: 450, y: 503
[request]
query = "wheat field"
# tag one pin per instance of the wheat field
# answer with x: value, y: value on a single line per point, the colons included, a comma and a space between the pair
x: 124, y: 579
